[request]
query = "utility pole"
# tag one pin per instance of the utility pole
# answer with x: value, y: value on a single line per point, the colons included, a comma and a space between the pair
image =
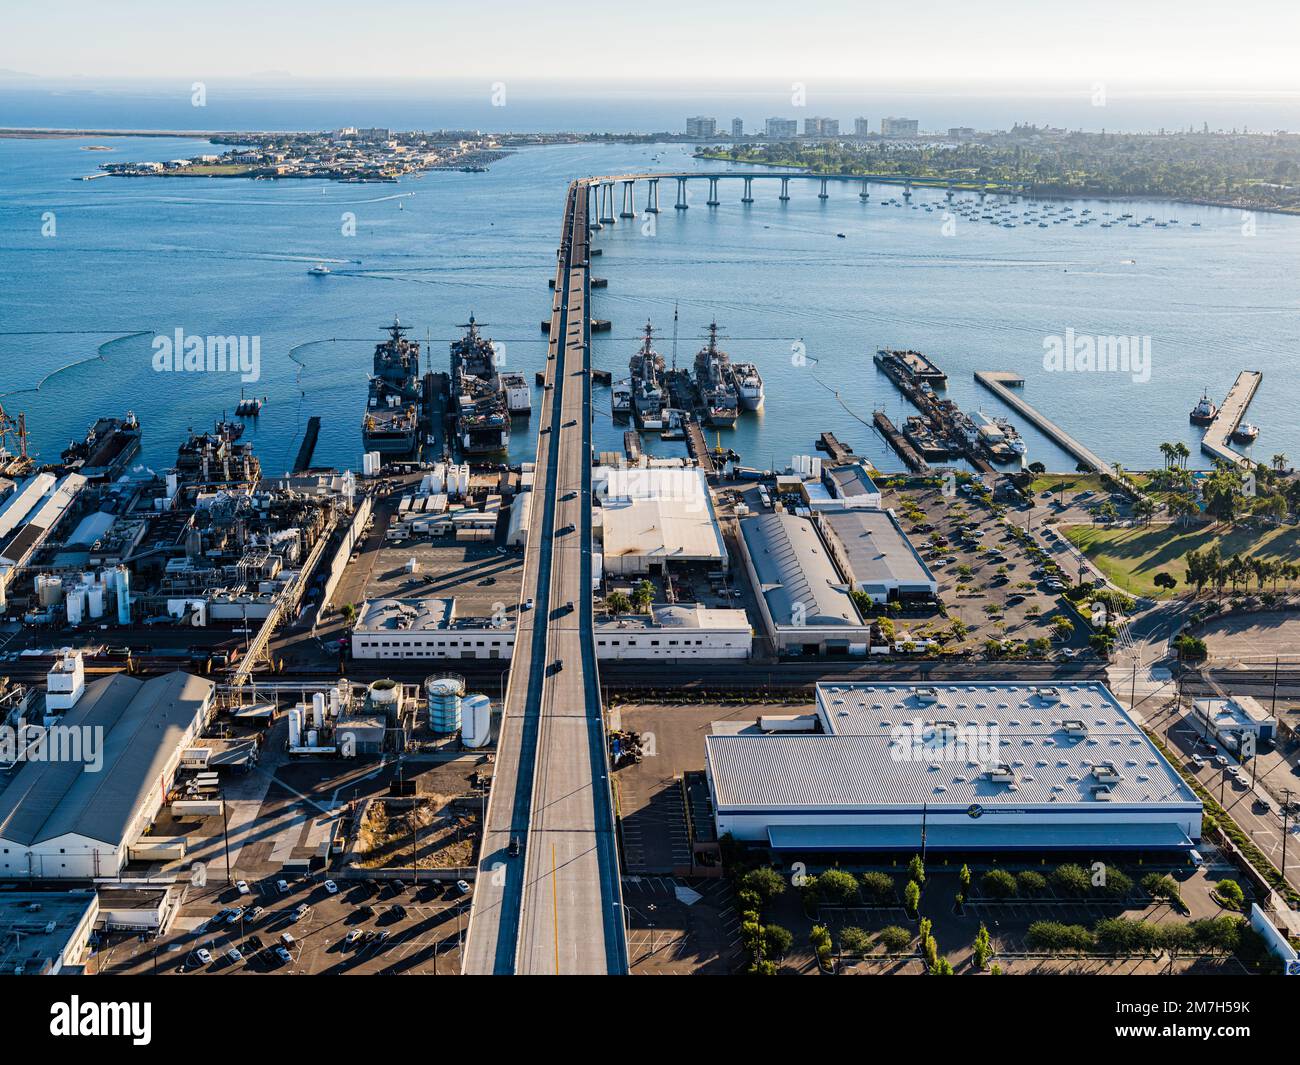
x: 1286, y: 816
x: 225, y: 830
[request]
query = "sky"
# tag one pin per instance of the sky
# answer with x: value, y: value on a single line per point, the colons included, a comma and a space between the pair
x: 1194, y: 45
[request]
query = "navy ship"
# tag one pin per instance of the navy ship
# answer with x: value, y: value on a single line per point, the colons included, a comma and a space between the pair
x: 649, y: 389
x: 714, y: 383
x: 391, y: 424
x: 482, y: 409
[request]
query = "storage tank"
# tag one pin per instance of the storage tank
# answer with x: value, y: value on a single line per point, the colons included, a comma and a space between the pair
x: 295, y: 727
x: 476, y: 720
x: 49, y: 590
x: 318, y: 711
x: 444, y: 694
x: 123, y: 595
x: 95, y: 601
x: 76, y: 604
x: 385, y: 697
x: 313, y: 738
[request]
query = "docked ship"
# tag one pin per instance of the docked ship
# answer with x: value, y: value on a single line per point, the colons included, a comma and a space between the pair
x: 1245, y: 433
x: 482, y: 411
x: 713, y: 383
x: 621, y: 399
x: 749, y: 385
x: 109, y: 445
x: 391, y: 424
x: 1204, y: 412
x: 647, y: 385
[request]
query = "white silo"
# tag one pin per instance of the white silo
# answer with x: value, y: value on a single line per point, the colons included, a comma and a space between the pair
x: 313, y: 738
x: 295, y: 727
x: 123, y: 595
x: 318, y: 711
x: 475, y: 720
x: 385, y: 697
x: 76, y: 604
x: 95, y: 601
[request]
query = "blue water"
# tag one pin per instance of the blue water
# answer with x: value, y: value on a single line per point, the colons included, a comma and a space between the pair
x: 132, y: 257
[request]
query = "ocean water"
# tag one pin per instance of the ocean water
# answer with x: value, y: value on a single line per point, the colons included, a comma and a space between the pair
x: 126, y: 259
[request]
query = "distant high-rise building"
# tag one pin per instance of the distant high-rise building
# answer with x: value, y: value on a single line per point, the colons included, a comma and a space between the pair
x: 701, y: 127
x: 961, y: 133
x: 898, y: 127
x: 737, y: 129
x: 861, y: 127
x: 781, y: 128
x: 821, y: 127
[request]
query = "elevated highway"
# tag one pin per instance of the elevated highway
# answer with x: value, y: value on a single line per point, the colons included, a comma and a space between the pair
x: 548, y: 898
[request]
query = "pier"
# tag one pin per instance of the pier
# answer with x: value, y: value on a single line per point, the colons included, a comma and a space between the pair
x: 901, y: 447
x: 998, y: 382
x: 830, y: 444
x: 698, y: 448
x: 1217, y: 436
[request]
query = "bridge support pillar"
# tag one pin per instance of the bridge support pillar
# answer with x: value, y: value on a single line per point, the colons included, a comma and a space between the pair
x: 607, y: 202
x: 785, y: 190
x: 907, y: 191
x: 652, y: 197
x: 948, y: 195
x: 749, y: 191
x: 593, y: 208
x: 864, y: 195
x: 823, y: 195
x: 629, y: 201
x: 681, y: 203
x: 713, y: 201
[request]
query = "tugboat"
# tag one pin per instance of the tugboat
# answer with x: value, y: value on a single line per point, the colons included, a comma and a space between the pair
x: 1245, y: 433
x: 713, y: 382
x: 319, y: 270
x: 247, y: 407
x: 1204, y: 412
x: 621, y: 395
x: 649, y: 392
x: 391, y: 424
x: 482, y: 409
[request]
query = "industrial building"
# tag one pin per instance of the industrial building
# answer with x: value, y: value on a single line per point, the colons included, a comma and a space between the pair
x: 1235, y: 717
x: 426, y: 628
x: 96, y: 780
x: 873, y: 552
x: 804, y: 601
x: 650, y: 517
x: 676, y: 631
x: 996, y: 767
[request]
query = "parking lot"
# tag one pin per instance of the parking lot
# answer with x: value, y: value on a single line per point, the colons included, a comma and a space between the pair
x: 362, y: 928
x: 998, y: 585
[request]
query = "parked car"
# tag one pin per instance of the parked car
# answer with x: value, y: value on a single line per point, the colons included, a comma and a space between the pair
x: 331, y: 887
x: 234, y: 955
x: 283, y: 955
x: 203, y: 955
x: 242, y: 887
x: 300, y: 912
x: 282, y: 886
x: 353, y: 936
x: 463, y: 887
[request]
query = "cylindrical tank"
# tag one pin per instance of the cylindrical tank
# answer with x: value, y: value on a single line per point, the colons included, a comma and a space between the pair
x: 476, y: 720
x: 444, y: 694
x: 313, y: 738
x: 385, y: 697
x: 95, y: 601
x: 76, y: 604
x: 295, y: 727
x: 49, y: 590
x: 123, y: 596
x: 318, y: 711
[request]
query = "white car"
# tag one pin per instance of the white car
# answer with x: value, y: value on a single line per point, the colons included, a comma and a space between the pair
x: 204, y: 955
x: 242, y: 887
x: 1198, y: 761
x: 234, y: 954
x: 331, y: 887
x: 463, y: 887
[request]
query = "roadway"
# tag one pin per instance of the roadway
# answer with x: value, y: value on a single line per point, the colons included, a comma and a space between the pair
x: 554, y: 906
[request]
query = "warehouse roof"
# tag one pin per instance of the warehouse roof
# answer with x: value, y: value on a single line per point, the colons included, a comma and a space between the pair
x: 913, y: 744
x: 663, y: 513
x: 876, y: 550
x: 795, y: 574
x: 140, y: 725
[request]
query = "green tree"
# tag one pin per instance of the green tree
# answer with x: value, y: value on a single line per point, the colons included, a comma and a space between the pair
x: 1030, y: 883
x: 894, y: 939
x: 998, y: 884
x: 617, y: 603
x: 983, y: 948
x: 837, y: 887
x: 916, y: 870
x: 776, y: 941
x: 1071, y: 879
x: 912, y: 896
x: 855, y: 940
x: 642, y: 596
x: 878, y: 888
x: 764, y: 881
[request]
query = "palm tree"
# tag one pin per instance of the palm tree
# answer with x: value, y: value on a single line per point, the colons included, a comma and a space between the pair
x: 643, y: 595
x: 1167, y: 450
x: 1279, y: 462
x: 1180, y: 449
x: 617, y: 603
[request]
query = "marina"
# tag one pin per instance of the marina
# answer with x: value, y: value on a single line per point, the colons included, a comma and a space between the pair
x: 1000, y: 384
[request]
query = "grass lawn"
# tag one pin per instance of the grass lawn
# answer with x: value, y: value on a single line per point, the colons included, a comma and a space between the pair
x: 1132, y: 557
x: 1072, y: 483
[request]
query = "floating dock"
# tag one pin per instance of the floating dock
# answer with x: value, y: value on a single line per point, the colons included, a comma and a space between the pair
x: 902, y: 448
x: 308, y: 447
x: 1233, y: 409
x: 698, y: 448
x: 1000, y: 383
x: 830, y: 444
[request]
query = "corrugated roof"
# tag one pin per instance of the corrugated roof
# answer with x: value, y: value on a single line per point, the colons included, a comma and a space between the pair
x: 886, y: 751
x: 979, y: 835
x: 876, y: 549
x: 793, y: 568
x: 142, y: 723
